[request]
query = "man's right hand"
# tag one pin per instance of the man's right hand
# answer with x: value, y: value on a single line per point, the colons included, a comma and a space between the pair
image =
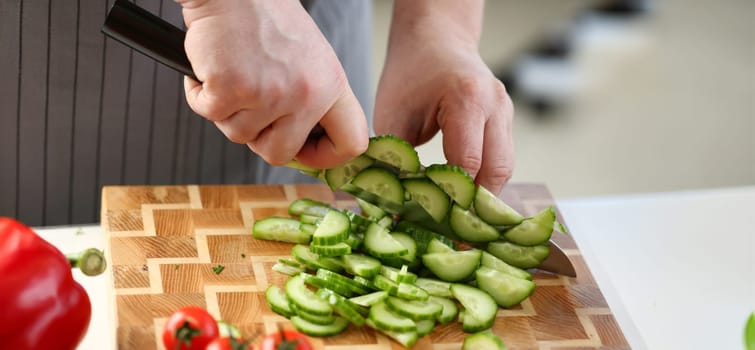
x: 268, y: 77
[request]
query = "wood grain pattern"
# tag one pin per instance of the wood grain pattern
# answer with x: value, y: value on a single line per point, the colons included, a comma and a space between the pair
x: 164, y: 241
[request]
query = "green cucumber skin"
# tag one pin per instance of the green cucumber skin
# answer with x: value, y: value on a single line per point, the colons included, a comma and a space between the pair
x: 280, y: 229
x: 429, y: 196
x: 394, y: 151
x: 522, y: 257
x: 533, y: 231
x: 494, y: 210
x: 382, y: 183
x: 453, y: 267
x: 340, y: 175
x: 455, y: 181
x: 505, y: 289
x: 491, y: 261
x: 315, y: 330
x: 478, y: 304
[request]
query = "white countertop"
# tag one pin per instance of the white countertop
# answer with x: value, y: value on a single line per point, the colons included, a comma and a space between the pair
x: 677, y: 269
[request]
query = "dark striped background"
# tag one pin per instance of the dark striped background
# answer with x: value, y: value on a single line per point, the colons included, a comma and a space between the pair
x: 79, y: 111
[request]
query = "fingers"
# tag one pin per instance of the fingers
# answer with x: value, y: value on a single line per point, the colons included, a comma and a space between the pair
x: 346, y: 135
x: 462, y: 125
x: 498, y: 150
x: 207, y: 104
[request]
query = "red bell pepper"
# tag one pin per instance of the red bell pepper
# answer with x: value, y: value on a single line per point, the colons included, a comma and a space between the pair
x: 41, y: 306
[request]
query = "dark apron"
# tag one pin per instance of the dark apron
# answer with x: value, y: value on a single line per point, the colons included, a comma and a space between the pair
x: 78, y: 111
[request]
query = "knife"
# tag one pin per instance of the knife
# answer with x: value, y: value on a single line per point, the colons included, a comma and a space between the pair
x: 156, y: 38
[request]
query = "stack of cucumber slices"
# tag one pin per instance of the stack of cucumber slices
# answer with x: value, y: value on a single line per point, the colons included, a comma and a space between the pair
x: 382, y: 270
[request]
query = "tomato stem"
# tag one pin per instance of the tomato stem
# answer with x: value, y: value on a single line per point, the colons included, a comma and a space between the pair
x: 90, y: 261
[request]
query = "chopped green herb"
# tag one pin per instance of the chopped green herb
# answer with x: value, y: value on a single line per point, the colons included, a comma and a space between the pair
x: 243, y: 255
x: 218, y: 269
x: 176, y: 266
x: 79, y: 231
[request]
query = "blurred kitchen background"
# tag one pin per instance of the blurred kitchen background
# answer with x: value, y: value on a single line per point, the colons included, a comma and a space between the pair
x: 616, y: 97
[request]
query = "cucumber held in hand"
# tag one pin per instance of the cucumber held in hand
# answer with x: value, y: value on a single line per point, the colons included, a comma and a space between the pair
x: 338, y: 176
x: 533, y: 231
x: 493, y: 210
x: 395, y: 151
x: 455, y: 181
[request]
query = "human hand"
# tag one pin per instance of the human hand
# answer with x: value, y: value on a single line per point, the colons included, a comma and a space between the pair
x: 433, y: 80
x: 268, y: 77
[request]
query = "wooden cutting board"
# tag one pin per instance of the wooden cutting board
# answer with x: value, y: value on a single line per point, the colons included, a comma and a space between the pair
x: 163, y: 241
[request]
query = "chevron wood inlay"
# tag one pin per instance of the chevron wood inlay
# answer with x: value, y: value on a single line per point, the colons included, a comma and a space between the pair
x: 163, y: 241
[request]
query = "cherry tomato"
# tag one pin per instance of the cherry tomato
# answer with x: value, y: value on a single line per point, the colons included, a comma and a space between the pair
x: 286, y: 339
x: 189, y: 328
x: 226, y: 343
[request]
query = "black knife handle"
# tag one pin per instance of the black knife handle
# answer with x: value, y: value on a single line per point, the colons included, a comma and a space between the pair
x: 151, y: 35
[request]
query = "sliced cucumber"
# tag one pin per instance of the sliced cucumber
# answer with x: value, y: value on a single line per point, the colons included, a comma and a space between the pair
x: 319, y: 330
x: 381, y: 183
x: 336, y: 177
x: 307, y: 219
x: 286, y: 269
x: 280, y: 229
x: 386, y: 222
x: 455, y: 181
x: 398, y: 275
x: 361, y: 265
x: 519, y: 256
x: 434, y: 287
x: 278, y: 302
x: 409, y: 291
x: 408, y: 243
x: 489, y: 260
x: 334, y: 228
x: 309, y: 207
x: 339, y: 249
x: 372, y: 211
x: 386, y: 319
x: 380, y: 244
x: 308, y: 229
x: 435, y: 246
x: 425, y: 327
x: 320, y: 283
x: 470, y: 227
x: 331, y: 276
x: 317, y: 319
x: 368, y: 300
x: 507, y: 290
x: 365, y: 283
x: 384, y: 283
x: 483, y: 341
x: 533, y: 231
x: 431, y: 197
x: 291, y: 262
x: 449, y: 309
x: 407, y: 339
x: 313, y: 261
x: 493, y: 210
x: 394, y: 151
x: 478, y: 304
x: 304, y: 299
x: 422, y: 236
x: 354, y: 241
x: 416, y: 310
x: 453, y: 266
x: 342, y: 306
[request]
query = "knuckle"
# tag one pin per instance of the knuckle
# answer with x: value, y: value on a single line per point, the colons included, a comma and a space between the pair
x: 471, y: 162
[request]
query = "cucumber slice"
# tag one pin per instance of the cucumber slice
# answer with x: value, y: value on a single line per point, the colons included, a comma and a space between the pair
x: 493, y: 210
x: 280, y: 229
x: 533, y: 231
x: 470, y: 227
x: 386, y: 221
x: 416, y: 310
x: 380, y: 244
x: 331, y: 276
x: 354, y: 241
x: 317, y: 319
x: 313, y: 261
x: 226, y: 329
x: 309, y: 207
x: 453, y: 266
x: 435, y: 246
x: 361, y: 265
x: 519, y: 256
x: 408, y: 243
x: 429, y: 196
x: 309, y: 229
x: 334, y: 228
x: 339, y: 249
x: 434, y: 287
x: 319, y: 330
x: 483, y: 341
x: 407, y: 339
x: 507, y: 290
x: 384, y: 283
x: 291, y: 262
x: 372, y: 211
x: 489, y: 260
x: 394, y: 151
x: 478, y: 304
x: 307, y: 219
x: 390, y: 321
x: 398, y: 275
x: 320, y: 283
x: 278, y: 302
x: 368, y: 300
x: 286, y: 269
x: 411, y: 292
x: 381, y: 183
x: 304, y: 299
x: 425, y: 327
x: 336, y: 177
x: 449, y: 309
x: 455, y: 181
x: 422, y: 236
x: 342, y: 306
x: 357, y: 221
x: 365, y: 283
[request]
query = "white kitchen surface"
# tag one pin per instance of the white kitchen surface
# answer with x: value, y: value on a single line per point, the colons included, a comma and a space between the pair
x: 677, y: 269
